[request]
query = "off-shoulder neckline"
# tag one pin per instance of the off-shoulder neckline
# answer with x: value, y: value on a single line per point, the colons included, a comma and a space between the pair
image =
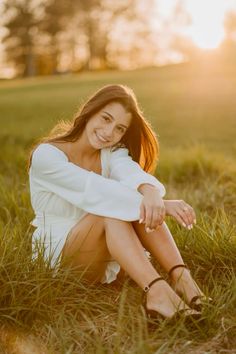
x: 101, y: 156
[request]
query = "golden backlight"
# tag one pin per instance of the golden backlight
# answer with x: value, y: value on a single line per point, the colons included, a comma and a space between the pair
x: 207, y: 27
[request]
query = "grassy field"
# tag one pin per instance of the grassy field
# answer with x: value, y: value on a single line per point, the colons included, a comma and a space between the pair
x: 193, y: 111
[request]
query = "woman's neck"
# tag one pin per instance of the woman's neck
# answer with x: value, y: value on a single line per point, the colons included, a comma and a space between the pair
x: 82, y: 149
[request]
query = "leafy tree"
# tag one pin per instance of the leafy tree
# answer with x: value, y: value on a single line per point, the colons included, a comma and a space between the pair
x: 21, y: 22
x: 44, y: 35
x: 57, y: 14
x: 108, y: 24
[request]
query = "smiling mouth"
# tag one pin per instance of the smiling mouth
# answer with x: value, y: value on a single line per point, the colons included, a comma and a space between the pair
x: 101, y: 139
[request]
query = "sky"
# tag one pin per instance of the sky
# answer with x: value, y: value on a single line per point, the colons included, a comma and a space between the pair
x: 205, y: 26
x: 207, y: 19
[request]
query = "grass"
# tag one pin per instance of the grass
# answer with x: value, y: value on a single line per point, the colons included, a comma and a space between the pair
x: 192, y: 109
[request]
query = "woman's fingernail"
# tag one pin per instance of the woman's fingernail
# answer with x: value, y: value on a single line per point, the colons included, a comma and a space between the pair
x: 148, y: 230
x: 190, y: 227
x: 184, y: 225
x: 195, y: 221
x: 140, y: 221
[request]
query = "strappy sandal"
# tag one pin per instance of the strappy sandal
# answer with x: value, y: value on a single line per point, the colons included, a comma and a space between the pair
x: 193, y: 302
x: 157, y: 316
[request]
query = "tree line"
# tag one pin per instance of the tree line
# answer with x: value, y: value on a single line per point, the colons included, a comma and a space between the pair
x: 48, y: 36
x: 45, y: 37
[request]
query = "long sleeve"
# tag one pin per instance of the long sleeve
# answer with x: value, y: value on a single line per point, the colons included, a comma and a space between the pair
x: 85, y: 189
x: 128, y: 172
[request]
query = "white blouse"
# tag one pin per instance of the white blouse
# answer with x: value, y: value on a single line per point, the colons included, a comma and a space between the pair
x: 62, y: 192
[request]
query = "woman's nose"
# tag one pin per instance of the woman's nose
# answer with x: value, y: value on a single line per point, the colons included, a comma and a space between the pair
x: 108, y: 133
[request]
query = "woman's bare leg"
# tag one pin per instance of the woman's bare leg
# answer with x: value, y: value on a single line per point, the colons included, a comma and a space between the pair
x: 123, y: 245
x: 86, y: 249
x: 161, y: 245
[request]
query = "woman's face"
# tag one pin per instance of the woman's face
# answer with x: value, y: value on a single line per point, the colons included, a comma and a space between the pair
x: 108, y: 126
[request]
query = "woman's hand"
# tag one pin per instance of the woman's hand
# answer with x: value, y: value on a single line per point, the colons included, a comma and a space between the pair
x: 181, y: 211
x: 152, y: 209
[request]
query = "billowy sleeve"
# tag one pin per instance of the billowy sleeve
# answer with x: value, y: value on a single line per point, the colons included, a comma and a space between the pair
x: 129, y: 173
x: 85, y: 189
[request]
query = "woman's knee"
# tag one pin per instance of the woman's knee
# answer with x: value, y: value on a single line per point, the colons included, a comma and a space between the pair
x: 112, y: 221
x: 96, y: 223
x: 89, y: 221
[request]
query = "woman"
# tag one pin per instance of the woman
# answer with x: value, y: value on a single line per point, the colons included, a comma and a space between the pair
x: 98, y: 206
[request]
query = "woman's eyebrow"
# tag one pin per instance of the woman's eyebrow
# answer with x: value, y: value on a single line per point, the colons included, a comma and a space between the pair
x: 125, y: 126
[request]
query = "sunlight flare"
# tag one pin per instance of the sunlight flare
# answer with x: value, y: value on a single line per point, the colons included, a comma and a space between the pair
x: 201, y: 21
x: 207, y: 27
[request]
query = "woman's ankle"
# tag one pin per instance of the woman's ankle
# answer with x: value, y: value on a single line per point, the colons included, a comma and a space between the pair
x: 184, y: 283
x: 180, y: 273
x: 162, y: 298
x: 159, y: 292
x: 158, y: 289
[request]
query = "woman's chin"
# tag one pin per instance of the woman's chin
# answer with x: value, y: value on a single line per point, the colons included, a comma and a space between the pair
x: 98, y: 144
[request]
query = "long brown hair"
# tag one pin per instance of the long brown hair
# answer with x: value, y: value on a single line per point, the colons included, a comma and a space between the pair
x: 139, y: 138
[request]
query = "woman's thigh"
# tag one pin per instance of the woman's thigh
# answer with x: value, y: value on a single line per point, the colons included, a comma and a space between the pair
x: 86, y: 248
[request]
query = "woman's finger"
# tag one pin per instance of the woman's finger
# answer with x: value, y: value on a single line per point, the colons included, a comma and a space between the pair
x: 142, y: 214
x: 148, y: 220
x: 179, y: 219
x: 184, y: 218
x: 193, y: 215
x: 186, y: 213
x: 163, y: 214
x: 156, y: 218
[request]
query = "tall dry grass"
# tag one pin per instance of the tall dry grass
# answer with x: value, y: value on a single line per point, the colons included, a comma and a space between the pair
x: 63, y: 312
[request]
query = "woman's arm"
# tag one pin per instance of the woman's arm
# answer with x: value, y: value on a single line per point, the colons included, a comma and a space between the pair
x: 153, y: 208
x: 87, y: 190
x: 129, y: 172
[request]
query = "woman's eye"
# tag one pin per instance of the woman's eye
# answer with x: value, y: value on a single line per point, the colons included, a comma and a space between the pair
x: 106, y: 118
x: 121, y: 130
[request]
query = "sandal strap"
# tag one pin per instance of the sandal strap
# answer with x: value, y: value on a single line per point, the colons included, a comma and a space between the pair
x: 147, y: 287
x: 176, y: 266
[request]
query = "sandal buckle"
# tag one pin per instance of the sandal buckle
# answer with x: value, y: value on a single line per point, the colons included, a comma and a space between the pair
x: 146, y: 288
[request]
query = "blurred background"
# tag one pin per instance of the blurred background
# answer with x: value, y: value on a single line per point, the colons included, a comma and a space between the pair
x: 47, y: 37
x: 179, y: 57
